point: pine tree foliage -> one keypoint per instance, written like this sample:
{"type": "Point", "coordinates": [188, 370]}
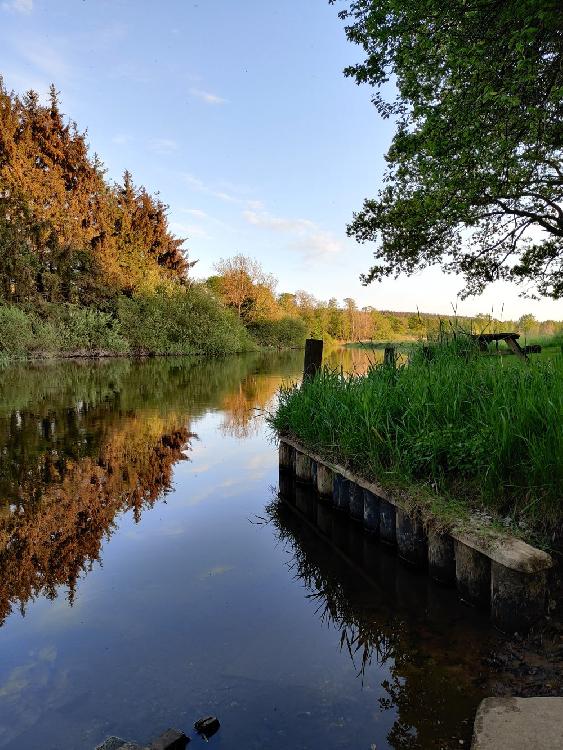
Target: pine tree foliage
{"type": "Point", "coordinates": [66, 234]}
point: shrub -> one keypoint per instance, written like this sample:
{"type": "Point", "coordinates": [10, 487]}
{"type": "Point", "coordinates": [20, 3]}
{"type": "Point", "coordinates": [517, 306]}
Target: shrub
{"type": "Point", "coordinates": [181, 321]}
{"type": "Point", "coordinates": [85, 330]}
{"type": "Point", "coordinates": [281, 334]}
{"type": "Point", "coordinates": [16, 331]}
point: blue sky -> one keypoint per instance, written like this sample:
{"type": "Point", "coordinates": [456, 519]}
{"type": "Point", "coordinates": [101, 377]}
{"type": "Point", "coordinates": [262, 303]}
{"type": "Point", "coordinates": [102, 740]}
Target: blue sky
{"type": "Point", "coordinates": [237, 112]}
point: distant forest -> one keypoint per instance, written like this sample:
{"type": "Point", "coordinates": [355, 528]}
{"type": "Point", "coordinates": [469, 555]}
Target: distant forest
{"type": "Point", "coordinates": [89, 266]}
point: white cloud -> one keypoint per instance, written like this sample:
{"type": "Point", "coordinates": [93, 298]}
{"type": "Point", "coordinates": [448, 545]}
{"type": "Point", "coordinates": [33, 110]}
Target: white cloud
{"type": "Point", "coordinates": [197, 212]}
{"type": "Point", "coordinates": [163, 146]}
{"type": "Point", "coordinates": [263, 219]}
{"type": "Point", "coordinates": [196, 184]}
{"type": "Point", "coordinates": [19, 6]}
{"type": "Point", "coordinates": [310, 240]}
{"type": "Point", "coordinates": [43, 57]}
{"type": "Point", "coordinates": [189, 230]}
{"type": "Point", "coordinates": [319, 244]}
{"type": "Point", "coordinates": [255, 205]}
{"type": "Point", "coordinates": [207, 96]}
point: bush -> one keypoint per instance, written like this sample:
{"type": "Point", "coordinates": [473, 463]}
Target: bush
{"type": "Point", "coordinates": [86, 330]}
{"type": "Point", "coordinates": [181, 321]}
{"type": "Point", "coordinates": [286, 333]}
{"type": "Point", "coordinates": [16, 331]}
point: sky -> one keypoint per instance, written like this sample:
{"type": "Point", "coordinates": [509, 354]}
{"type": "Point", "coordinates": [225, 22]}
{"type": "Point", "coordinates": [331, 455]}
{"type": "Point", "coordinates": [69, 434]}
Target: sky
{"type": "Point", "coordinates": [237, 112]}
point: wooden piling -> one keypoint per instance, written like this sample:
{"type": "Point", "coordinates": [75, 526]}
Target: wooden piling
{"type": "Point", "coordinates": [412, 542]}
{"type": "Point", "coordinates": [303, 469]}
{"type": "Point", "coordinates": [441, 557]}
{"type": "Point", "coordinates": [517, 598]}
{"type": "Point", "coordinates": [324, 481]}
{"type": "Point", "coordinates": [356, 501]}
{"type": "Point", "coordinates": [371, 512]}
{"type": "Point", "coordinates": [473, 575]}
{"type": "Point", "coordinates": [389, 358]}
{"type": "Point", "coordinates": [313, 357]}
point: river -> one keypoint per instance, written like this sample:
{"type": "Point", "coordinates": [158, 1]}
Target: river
{"type": "Point", "coordinates": [149, 576]}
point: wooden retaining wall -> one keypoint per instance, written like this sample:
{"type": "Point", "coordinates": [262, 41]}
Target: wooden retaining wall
{"type": "Point", "coordinates": [497, 572]}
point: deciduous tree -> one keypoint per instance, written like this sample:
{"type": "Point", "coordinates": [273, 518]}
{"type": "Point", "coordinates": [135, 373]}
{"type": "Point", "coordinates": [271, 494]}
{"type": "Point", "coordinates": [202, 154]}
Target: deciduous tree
{"type": "Point", "coordinates": [474, 179]}
{"type": "Point", "coordinates": [245, 286]}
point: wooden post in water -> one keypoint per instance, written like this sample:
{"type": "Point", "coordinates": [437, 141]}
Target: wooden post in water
{"type": "Point", "coordinates": [313, 357]}
{"type": "Point", "coordinates": [389, 356]}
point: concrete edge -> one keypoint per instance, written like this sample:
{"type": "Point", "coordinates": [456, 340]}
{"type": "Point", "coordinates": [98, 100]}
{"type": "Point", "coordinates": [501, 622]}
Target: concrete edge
{"type": "Point", "coordinates": [504, 549]}
{"type": "Point", "coordinates": [518, 724]}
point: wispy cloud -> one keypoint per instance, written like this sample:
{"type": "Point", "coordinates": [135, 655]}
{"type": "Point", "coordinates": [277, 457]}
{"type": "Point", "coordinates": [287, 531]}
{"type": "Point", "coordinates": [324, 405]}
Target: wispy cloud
{"type": "Point", "coordinates": [311, 240]}
{"type": "Point", "coordinates": [163, 146]}
{"type": "Point", "coordinates": [196, 184]}
{"type": "Point", "coordinates": [43, 57]}
{"type": "Point", "coordinates": [197, 212]}
{"type": "Point", "coordinates": [18, 6]}
{"type": "Point", "coordinates": [278, 224]}
{"type": "Point", "coordinates": [189, 230]}
{"type": "Point", "coordinates": [207, 96]}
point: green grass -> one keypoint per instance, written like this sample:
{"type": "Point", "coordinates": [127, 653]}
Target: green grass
{"type": "Point", "coordinates": [478, 431]}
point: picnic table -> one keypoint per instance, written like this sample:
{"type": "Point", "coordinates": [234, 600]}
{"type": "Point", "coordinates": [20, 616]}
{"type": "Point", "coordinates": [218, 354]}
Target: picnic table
{"type": "Point", "coordinates": [511, 339]}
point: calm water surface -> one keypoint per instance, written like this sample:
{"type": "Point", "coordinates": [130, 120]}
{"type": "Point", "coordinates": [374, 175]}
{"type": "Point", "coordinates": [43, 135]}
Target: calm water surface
{"type": "Point", "coordinates": [150, 575]}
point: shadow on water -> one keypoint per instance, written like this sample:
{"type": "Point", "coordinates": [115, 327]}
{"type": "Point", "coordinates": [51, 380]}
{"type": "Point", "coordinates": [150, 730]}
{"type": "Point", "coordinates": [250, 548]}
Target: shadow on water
{"type": "Point", "coordinates": [389, 615]}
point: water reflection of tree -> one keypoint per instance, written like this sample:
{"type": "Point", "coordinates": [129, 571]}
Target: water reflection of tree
{"type": "Point", "coordinates": [77, 449]}
{"type": "Point", "coordinates": [334, 607]}
{"type": "Point", "coordinates": [82, 442]}
{"type": "Point", "coordinates": [244, 406]}
{"type": "Point", "coordinates": [52, 532]}
{"type": "Point", "coordinates": [432, 689]}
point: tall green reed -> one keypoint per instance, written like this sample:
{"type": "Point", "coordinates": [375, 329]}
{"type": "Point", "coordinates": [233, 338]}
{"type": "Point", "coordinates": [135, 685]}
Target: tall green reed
{"type": "Point", "coordinates": [486, 430]}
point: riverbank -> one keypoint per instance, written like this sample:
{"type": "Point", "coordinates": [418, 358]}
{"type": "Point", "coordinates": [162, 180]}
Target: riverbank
{"type": "Point", "coordinates": [464, 434]}
{"type": "Point", "coordinates": [179, 321]}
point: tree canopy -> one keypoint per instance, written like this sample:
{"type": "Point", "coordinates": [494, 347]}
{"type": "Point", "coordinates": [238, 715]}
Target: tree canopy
{"type": "Point", "coordinates": [243, 285]}
{"type": "Point", "coordinates": [66, 235]}
{"type": "Point", "coordinates": [474, 180]}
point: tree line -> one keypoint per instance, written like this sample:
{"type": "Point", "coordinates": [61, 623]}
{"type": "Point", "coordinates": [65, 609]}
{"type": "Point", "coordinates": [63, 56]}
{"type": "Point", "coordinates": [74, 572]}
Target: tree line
{"type": "Point", "coordinates": [90, 266]}
{"type": "Point", "coordinates": [241, 284]}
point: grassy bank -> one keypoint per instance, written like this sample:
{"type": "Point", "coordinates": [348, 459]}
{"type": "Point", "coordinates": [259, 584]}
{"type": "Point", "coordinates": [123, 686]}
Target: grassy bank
{"type": "Point", "coordinates": [480, 431]}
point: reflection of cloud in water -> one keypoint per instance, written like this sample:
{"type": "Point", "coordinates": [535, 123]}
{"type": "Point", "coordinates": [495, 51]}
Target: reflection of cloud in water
{"type": "Point", "coordinates": [21, 676]}
{"type": "Point", "coordinates": [176, 530]}
{"type": "Point", "coordinates": [218, 570]}
{"type": "Point", "coordinates": [201, 468]}
{"type": "Point", "coordinates": [259, 464]}
{"type": "Point", "coordinates": [20, 689]}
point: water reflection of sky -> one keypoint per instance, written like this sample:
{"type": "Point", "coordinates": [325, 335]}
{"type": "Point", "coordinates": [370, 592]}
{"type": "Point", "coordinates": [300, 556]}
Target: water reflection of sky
{"type": "Point", "coordinates": [192, 609]}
